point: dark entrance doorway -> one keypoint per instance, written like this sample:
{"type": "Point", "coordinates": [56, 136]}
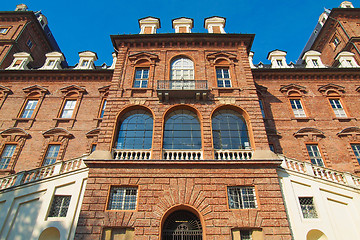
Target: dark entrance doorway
{"type": "Point", "coordinates": [182, 225]}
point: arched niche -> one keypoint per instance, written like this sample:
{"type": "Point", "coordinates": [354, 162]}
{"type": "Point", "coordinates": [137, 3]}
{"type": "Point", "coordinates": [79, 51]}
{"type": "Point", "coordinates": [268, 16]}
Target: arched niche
{"type": "Point", "coordinates": [51, 233]}
{"type": "Point", "coordinates": [315, 234]}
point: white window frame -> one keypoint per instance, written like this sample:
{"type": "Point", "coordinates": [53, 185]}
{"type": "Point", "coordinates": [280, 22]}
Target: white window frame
{"type": "Point", "coordinates": [29, 108]}
{"type": "Point", "coordinates": [68, 108]}
{"type": "Point", "coordinates": [225, 82]}
{"type": "Point", "coordinates": [143, 81]}
{"type": "Point", "coordinates": [337, 107]}
{"type": "Point", "coordinates": [297, 108]}
{"type": "Point", "coordinates": [242, 197]}
{"type": "Point", "coordinates": [182, 69]}
{"type": "Point", "coordinates": [127, 198]}
{"type": "Point", "coordinates": [308, 210]}
{"type": "Point", "coordinates": [315, 154]}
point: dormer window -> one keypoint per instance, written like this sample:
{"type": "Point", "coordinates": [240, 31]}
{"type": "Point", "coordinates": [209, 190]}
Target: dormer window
{"type": "Point", "coordinates": [277, 59]}
{"type": "Point", "coordinates": [349, 63]}
{"type": "Point", "coordinates": [312, 59]}
{"type": "Point", "coordinates": [53, 60]}
{"type": "Point", "coordinates": [84, 63]}
{"type": "Point", "coordinates": [279, 63]}
{"type": "Point", "coordinates": [315, 62]}
{"type": "Point", "coordinates": [87, 60]}
{"type": "Point", "coordinates": [17, 63]}
{"type": "Point", "coordinates": [51, 63]}
{"type": "Point", "coordinates": [346, 60]}
{"type": "Point", "coordinates": [20, 61]}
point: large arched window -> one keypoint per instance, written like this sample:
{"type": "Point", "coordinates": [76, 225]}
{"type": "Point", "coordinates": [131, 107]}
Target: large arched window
{"type": "Point", "coordinates": [182, 69]}
{"type": "Point", "coordinates": [182, 131]}
{"type": "Point", "coordinates": [229, 130]}
{"type": "Point", "coordinates": [135, 131]}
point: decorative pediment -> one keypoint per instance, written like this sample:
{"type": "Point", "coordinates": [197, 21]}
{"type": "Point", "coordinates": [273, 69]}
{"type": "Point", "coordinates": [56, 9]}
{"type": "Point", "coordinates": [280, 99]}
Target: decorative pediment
{"type": "Point", "coordinates": [311, 134]}
{"type": "Point", "coordinates": [93, 132]}
{"type": "Point", "coordinates": [73, 88]}
{"type": "Point", "coordinates": [58, 132]}
{"type": "Point", "coordinates": [14, 132]}
{"type": "Point", "coordinates": [221, 55]}
{"type": "Point", "coordinates": [5, 90]}
{"type": "Point", "coordinates": [353, 132]}
{"type": "Point", "coordinates": [104, 89]}
{"type": "Point", "coordinates": [36, 88]}
{"type": "Point", "coordinates": [357, 89]}
{"type": "Point", "coordinates": [136, 57]}
{"type": "Point", "coordinates": [331, 89]}
{"type": "Point", "coordinates": [293, 89]}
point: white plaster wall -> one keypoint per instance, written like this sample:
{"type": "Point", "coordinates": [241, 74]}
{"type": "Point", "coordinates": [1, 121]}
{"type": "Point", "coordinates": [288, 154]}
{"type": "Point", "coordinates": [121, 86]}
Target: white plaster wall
{"type": "Point", "coordinates": [24, 209]}
{"type": "Point", "coordinates": [338, 206]}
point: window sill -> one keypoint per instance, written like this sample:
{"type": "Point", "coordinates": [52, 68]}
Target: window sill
{"type": "Point", "coordinates": [23, 119]}
{"type": "Point", "coordinates": [64, 119]}
{"type": "Point", "coordinates": [344, 119]}
{"type": "Point", "coordinates": [6, 170]}
{"type": "Point", "coordinates": [226, 88]}
{"type": "Point", "coordinates": [303, 119]}
{"type": "Point", "coordinates": [138, 88]}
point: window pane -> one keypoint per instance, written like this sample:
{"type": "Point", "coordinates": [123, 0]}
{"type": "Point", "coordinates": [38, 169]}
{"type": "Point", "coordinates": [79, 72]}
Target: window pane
{"type": "Point", "coordinates": [315, 155]}
{"type": "Point", "coordinates": [103, 109]}
{"type": "Point", "coordinates": [337, 107]}
{"type": "Point", "coordinates": [356, 149]}
{"type": "Point", "coordinates": [29, 108]}
{"type": "Point", "coordinates": [6, 155]}
{"type": "Point", "coordinates": [307, 207]}
{"type": "Point", "coordinates": [68, 109]}
{"type": "Point", "coordinates": [229, 130]}
{"type": "Point", "coordinates": [182, 68]}
{"type": "Point", "coordinates": [59, 206]}
{"type": "Point", "coordinates": [51, 154]}
{"type": "Point", "coordinates": [122, 198]}
{"type": "Point", "coordinates": [242, 197]}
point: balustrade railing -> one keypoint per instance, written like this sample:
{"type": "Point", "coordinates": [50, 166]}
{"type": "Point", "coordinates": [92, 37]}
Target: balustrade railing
{"type": "Point", "coordinates": [120, 154]}
{"type": "Point", "coordinates": [182, 155]}
{"type": "Point", "coordinates": [182, 85]}
{"type": "Point", "coordinates": [320, 172]}
{"type": "Point", "coordinates": [48, 171]}
{"type": "Point", "coordinates": [245, 154]}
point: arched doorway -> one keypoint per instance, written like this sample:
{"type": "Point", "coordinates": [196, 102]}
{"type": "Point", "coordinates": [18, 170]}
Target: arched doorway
{"type": "Point", "coordinates": [182, 225]}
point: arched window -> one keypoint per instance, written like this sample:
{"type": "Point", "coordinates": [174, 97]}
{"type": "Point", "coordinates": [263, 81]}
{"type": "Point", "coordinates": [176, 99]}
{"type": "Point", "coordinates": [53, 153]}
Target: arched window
{"type": "Point", "coordinates": [182, 225]}
{"type": "Point", "coordinates": [135, 130]}
{"type": "Point", "coordinates": [182, 131]}
{"type": "Point", "coordinates": [182, 69]}
{"type": "Point", "coordinates": [229, 130]}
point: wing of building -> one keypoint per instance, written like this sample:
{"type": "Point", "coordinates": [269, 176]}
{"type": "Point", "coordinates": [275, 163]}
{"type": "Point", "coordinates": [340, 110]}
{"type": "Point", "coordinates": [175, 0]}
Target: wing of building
{"type": "Point", "coordinates": [182, 137]}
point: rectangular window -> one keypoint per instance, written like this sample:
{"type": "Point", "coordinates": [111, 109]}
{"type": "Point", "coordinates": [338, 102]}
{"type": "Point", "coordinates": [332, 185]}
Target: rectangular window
{"type": "Point", "coordinates": [314, 154]}
{"type": "Point", "coordinates": [103, 108]}
{"type": "Point", "coordinates": [29, 43]}
{"type": "Point", "coordinates": [279, 63]}
{"type": "Point", "coordinates": [118, 234]}
{"type": "Point", "coordinates": [356, 149]}
{"type": "Point", "coordinates": [122, 198]}
{"type": "Point", "coordinates": [262, 108]}
{"type": "Point", "coordinates": [6, 155]}
{"type": "Point", "coordinates": [59, 206]}
{"type": "Point", "coordinates": [336, 42]}
{"type": "Point", "coordinates": [51, 154]}
{"type": "Point", "coordinates": [307, 207]}
{"type": "Point", "coordinates": [245, 235]}
{"type": "Point", "coordinates": [68, 109]}
{"type": "Point", "coordinates": [241, 197]}
{"type": "Point", "coordinates": [29, 108]}
{"type": "Point", "coordinates": [3, 30]}
{"type": "Point", "coordinates": [223, 77]}
{"type": "Point", "coordinates": [141, 78]}
{"type": "Point", "coordinates": [337, 107]}
{"type": "Point", "coordinates": [17, 63]}
{"type": "Point", "coordinates": [297, 108]}
{"type": "Point", "coordinates": [93, 147]}
{"type": "Point", "coordinates": [315, 62]}
{"type": "Point", "coordinates": [84, 63]}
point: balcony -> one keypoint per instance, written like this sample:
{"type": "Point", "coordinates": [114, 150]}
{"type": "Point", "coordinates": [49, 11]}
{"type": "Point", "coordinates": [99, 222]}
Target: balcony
{"type": "Point", "coordinates": [195, 89]}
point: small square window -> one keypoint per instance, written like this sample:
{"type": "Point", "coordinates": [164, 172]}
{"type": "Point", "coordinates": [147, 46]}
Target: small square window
{"type": "Point", "coordinates": [307, 207]}
{"type": "Point", "coordinates": [68, 109]}
{"type": "Point", "coordinates": [241, 197]}
{"type": "Point", "coordinates": [314, 154]}
{"type": "Point", "coordinates": [29, 43]}
{"type": "Point", "coordinates": [223, 77]}
{"type": "Point", "coordinates": [51, 154]}
{"type": "Point", "coordinates": [59, 206]}
{"type": "Point", "coordinates": [338, 108]}
{"type": "Point", "coordinates": [297, 108]}
{"type": "Point", "coordinates": [122, 198]}
{"type": "Point", "coordinates": [356, 149]}
{"type": "Point", "coordinates": [29, 108]}
{"type": "Point", "coordinates": [6, 155]}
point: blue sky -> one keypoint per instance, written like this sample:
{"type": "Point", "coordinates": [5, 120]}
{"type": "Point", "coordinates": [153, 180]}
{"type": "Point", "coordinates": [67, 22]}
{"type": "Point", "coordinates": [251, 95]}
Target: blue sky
{"type": "Point", "coordinates": [87, 25]}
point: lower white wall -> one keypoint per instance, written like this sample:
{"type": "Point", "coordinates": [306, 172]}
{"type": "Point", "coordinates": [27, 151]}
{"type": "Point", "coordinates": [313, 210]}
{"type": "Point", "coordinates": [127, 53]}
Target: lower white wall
{"type": "Point", "coordinates": [337, 205]}
{"type": "Point", "coordinates": [24, 209]}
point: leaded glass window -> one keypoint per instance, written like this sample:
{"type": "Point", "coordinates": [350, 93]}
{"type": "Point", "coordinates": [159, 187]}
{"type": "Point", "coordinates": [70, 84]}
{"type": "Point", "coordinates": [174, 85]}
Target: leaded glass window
{"type": "Point", "coordinates": [122, 198]}
{"type": "Point", "coordinates": [135, 131]}
{"type": "Point", "coordinates": [182, 69]}
{"type": "Point", "coordinates": [59, 206]}
{"type": "Point", "coordinates": [307, 207]}
{"type": "Point", "coordinates": [229, 130]}
{"type": "Point", "coordinates": [182, 131]}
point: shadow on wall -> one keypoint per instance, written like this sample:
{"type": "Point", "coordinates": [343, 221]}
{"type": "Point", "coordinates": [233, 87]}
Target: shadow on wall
{"type": "Point", "coordinates": [50, 233]}
{"type": "Point", "coordinates": [316, 235]}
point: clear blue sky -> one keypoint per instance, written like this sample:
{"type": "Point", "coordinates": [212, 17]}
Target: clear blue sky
{"type": "Point", "coordinates": [87, 25]}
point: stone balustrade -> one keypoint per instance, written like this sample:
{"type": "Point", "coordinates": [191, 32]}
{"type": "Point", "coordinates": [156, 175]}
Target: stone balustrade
{"type": "Point", "coordinates": [233, 154]}
{"type": "Point", "coordinates": [120, 154]}
{"type": "Point", "coordinates": [182, 155]}
{"type": "Point", "coordinates": [45, 172]}
{"type": "Point", "coordinates": [320, 172]}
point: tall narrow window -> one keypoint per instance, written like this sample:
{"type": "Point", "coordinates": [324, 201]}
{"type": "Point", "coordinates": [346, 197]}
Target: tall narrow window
{"type": "Point", "coordinates": [29, 108]}
{"type": "Point", "coordinates": [182, 69]}
{"type": "Point", "coordinates": [314, 154]}
{"type": "Point", "coordinates": [68, 109]}
{"type": "Point", "coordinates": [103, 106]}
{"type": "Point", "coordinates": [356, 149]}
{"type": "Point", "coordinates": [297, 108]}
{"type": "Point", "coordinates": [229, 130]}
{"type": "Point", "coordinates": [262, 108]}
{"type": "Point", "coordinates": [223, 77]}
{"type": "Point", "coordinates": [337, 107]}
{"type": "Point", "coordinates": [135, 131]}
{"type": "Point", "coordinates": [307, 207]}
{"type": "Point", "coordinates": [51, 154]}
{"type": "Point", "coordinates": [141, 77]}
{"type": "Point", "coordinates": [122, 198]}
{"type": "Point", "coordinates": [182, 131]}
{"type": "Point", "coordinates": [6, 155]}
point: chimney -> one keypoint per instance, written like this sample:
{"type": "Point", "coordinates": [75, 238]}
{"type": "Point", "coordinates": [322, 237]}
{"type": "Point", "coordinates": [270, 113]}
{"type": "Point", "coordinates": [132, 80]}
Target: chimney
{"type": "Point", "coordinates": [149, 25]}
{"type": "Point", "coordinates": [215, 24]}
{"type": "Point", "coordinates": [183, 25]}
